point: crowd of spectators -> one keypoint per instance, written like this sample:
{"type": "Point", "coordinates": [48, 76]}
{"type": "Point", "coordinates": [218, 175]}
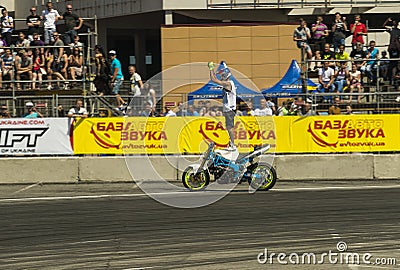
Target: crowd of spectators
{"type": "Point", "coordinates": [41, 57]}
{"type": "Point", "coordinates": [340, 71]}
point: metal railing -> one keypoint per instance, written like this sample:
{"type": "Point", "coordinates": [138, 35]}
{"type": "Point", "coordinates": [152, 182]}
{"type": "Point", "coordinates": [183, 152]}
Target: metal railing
{"type": "Point", "coordinates": [231, 4]}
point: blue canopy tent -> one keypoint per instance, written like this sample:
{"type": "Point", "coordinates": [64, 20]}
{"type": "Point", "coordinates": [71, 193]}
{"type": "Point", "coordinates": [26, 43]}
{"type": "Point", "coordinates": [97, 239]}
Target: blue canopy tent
{"type": "Point", "coordinates": [212, 90]}
{"type": "Point", "coordinates": [290, 84]}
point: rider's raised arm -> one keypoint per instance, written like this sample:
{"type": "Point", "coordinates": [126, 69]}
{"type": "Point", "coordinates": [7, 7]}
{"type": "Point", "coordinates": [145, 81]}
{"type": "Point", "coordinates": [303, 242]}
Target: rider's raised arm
{"type": "Point", "coordinates": [226, 84]}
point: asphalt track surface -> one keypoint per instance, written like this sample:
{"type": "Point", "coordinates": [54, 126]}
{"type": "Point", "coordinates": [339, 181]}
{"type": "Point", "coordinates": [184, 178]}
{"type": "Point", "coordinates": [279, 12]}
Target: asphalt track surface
{"type": "Point", "coordinates": [116, 226]}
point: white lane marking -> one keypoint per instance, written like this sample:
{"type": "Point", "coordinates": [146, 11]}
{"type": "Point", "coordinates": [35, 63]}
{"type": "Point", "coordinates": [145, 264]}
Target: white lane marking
{"type": "Point", "coordinates": [28, 187]}
{"type": "Point", "coordinates": [333, 188]}
{"type": "Point", "coordinates": [209, 192]}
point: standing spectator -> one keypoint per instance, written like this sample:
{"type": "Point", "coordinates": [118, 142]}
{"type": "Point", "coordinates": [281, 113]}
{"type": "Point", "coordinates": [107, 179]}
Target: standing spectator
{"type": "Point", "coordinates": [359, 30]}
{"type": "Point", "coordinates": [78, 110]}
{"type": "Point", "coordinates": [341, 77]}
{"type": "Point", "coordinates": [326, 78]}
{"type": "Point", "coordinates": [102, 79]}
{"type": "Point", "coordinates": [319, 34]}
{"type": "Point", "coordinates": [56, 63]}
{"type": "Point", "coordinates": [136, 81]}
{"type": "Point", "coordinates": [300, 36]}
{"type": "Point", "coordinates": [384, 65]}
{"type": "Point", "coordinates": [306, 110]}
{"type": "Point", "coordinates": [149, 95]}
{"type": "Point", "coordinates": [116, 77]}
{"type": "Point", "coordinates": [370, 68]}
{"type": "Point", "coordinates": [355, 82]}
{"type": "Point", "coordinates": [394, 42]}
{"type": "Point", "coordinates": [358, 56]}
{"type": "Point", "coordinates": [264, 109]}
{"type": "Point", "coordinates": [339, 29]}
{"type": "Point", "coordinates": [22, 41]}
{"type": "Point", "coordinates": [7, 26]}
{"type": "Point", "coordinates": [335, 108]}
{"type": "Point", "coordinates": [33, 22]}
{"type": "Point", "coordinates": [72, 23]}
{"type": "Point", "coordinates": [23, 66]}
{"type": "Point", "coordinates": [50, 16]}
{"type": "Point", "coordinates": [32, 111]}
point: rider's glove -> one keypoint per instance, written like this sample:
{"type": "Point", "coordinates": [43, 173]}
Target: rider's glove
{"type": "Point", "coordinates": [211, 65]}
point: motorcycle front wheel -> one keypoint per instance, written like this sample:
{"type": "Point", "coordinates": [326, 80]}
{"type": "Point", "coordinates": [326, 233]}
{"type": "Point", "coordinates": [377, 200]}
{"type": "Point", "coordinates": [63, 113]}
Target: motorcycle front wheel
{"type": "Point", "coordinates": [195, 181]}
{"type": "Point", "coordinates": [263, 176]}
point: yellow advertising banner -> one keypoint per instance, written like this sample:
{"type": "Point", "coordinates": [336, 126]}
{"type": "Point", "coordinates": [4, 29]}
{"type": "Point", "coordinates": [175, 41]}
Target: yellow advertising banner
{"type": "Point", "coordinates": [287, 134]}
{"type": "Point", "coordinates": [340, 133]}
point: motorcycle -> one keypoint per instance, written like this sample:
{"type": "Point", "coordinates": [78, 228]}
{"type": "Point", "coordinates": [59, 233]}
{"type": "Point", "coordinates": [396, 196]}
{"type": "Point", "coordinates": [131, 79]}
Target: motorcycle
{"type": "Point", "coordinates": [228, 167]}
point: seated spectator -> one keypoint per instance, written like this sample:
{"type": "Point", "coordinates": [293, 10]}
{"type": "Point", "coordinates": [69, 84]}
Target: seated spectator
{"type": "Point", "coordinates": [327, 54]}
{"type": "Point", "coordinates": [349, 109]}
{"type": "Point", "coordinates": [264, 109]}
{"type": "Point", "coordinates": [288, 108]}
{"type": "Point", "coordinates": [78, 110]}
{"type": "Point", "coordinates": [335, 108]}
{"type": "Point", "coordinates": [248, 108]}
{"type": "Point", "coordinates": [370, 68]}
{"type": "Point", "coordinates": [39, 68]}
{"type": "Point", "coordinates": [36, 42]}
{"type": "Point", "coordinates": [341, 55]}
{"type": "Point", "coordinates": [2, 43]}
{"type": "Point", "coordinates": [57, 69]}
{"type": "Point", "coordinates": [75, 64]}
{"type": "Point", "coordinates": [306, 110]}
{"type": "Point", "coordinates": [355, 82]}
{"type": "Point", "coordinates": [32, 111]}
{"type": "Point", "coordinates": [301, 36]}
{"type": "Point", "coordinates": [169, 112]}
{"type": "Point", "coordinates": [384, 65]}
{"type": "Point", "coordinates": [358, 56]}
{"type": "Point", "coordinates": [191, 111]}
{"type": "Point", "coordinates": [148, 110]}
{"type": "Point", "coordinates": [341, 77]}
{"type": "Point", "coordinates": [23, 67]}
{"type": "Point", "coordinates": [326, 78]}
{"type": "Point", "coordinates": [7, 67]}
{"type": "Point", "coordinates": [22, 41]}
{"type": "Point", "coordinates": [4, 113]}
{"type": "Point", "coordinates": [270, 104]}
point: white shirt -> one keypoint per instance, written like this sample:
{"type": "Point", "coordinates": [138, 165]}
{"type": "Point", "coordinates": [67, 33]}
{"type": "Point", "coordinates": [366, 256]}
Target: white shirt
{"type": "Point", "coordinates": [81, 111]}
{"type": "Point", "coordinates": [6, 25]}
{"type": "Point", "coordinates": [170, 113]}
{"type": "Point", "coordinates": [326, 74]}
{"type": "Point", "coordinates": [135, 87]}
{"type": "Point", "coordinates": [229, 98]}
{"type": "Point", "coordinates": [263, 112]}
{"type": "Point", "coordinates": [49, 18]}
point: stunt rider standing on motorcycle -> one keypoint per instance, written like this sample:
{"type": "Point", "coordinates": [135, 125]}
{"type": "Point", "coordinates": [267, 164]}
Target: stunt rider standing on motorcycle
{"type": "Point", "coordinates": [229, 98]}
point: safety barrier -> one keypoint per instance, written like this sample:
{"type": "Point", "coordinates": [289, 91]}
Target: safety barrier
{"type": "Point", "coordinates": [112, 169]}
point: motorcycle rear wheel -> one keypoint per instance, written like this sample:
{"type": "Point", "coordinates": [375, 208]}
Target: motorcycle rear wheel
{"type": "Point", "coordinates": [195, 181]}
{"type": "Point", "coordinates": [263, 176]}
